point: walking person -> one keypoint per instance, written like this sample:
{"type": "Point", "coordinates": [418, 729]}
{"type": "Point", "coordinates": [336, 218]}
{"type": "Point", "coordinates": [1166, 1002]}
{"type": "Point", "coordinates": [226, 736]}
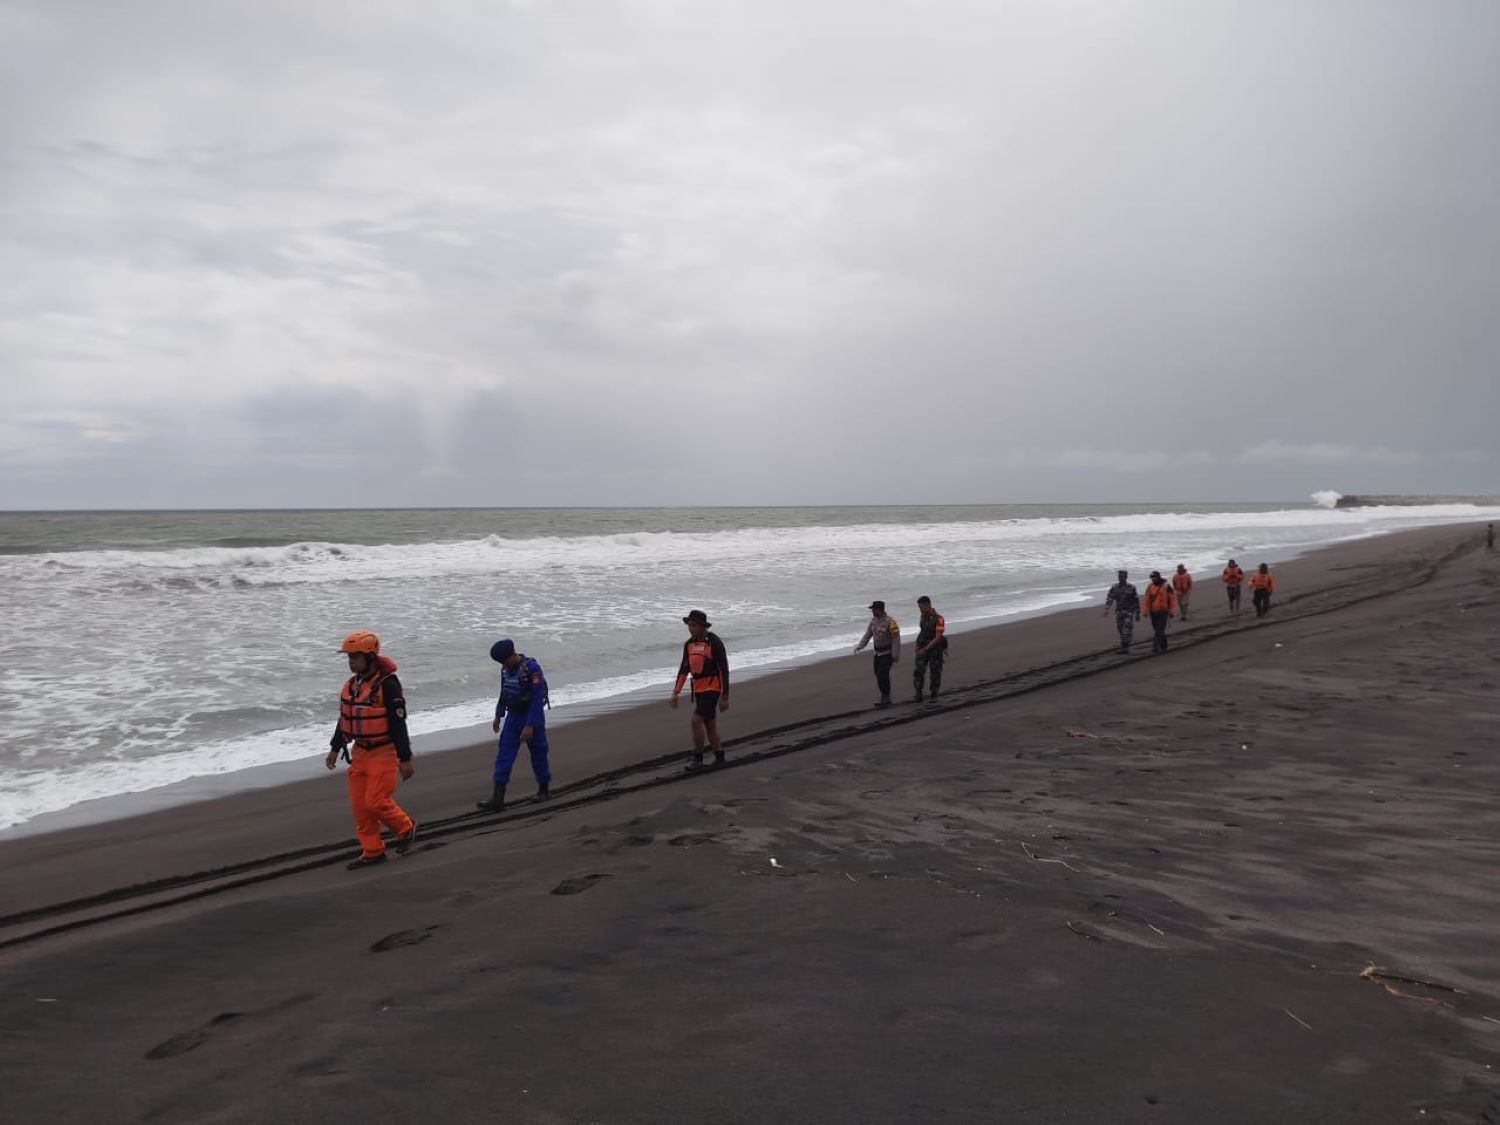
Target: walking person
{"type": "Point", "coordinates": [1489, 536]}
{"type": "Point", "coordinates": [1160, 603]}
{"type": "Point", "coordinates": [1262, 586]}
{"type": "Point", "coordinates": [1233, 578]}
{"type": "Point", "coordinates": [932, 646]}
{"type": "Point", "coordinates": [1182, 586]}
{"type": "Point", "coordinates": [706, 661]}
{"type": "Point", "coordinates": [372, 716]}
{"type": "Point", "coordinates": [1127, 606]}
{"type": "Point", "coordinates": [886, 634]}
{"type": "Point", "coordinates": [520, 716]}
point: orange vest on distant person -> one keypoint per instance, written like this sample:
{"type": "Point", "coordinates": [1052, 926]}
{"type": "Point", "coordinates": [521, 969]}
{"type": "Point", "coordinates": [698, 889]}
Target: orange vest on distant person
{"type": "Point", "coordinates": [362, 714]}
{"type": "Point", "coordinates": [1259, 581]}
{"type": "Point", "coordinates": [1182, 583]}
{"type": "Point", "coordinates": [703, 667]}
{"type": "Point", "coordinates": [1159, 599]}
{"type": "Point", "coordinates": [1233, 576]}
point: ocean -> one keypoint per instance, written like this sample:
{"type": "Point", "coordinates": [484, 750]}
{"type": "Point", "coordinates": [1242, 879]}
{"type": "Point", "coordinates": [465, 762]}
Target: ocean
{"type": "Point", "coordinates": [144, 649]}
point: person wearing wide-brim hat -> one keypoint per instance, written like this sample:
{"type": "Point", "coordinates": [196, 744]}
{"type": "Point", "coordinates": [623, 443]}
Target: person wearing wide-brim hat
{"type": "Point", "coordinates": [704, 659]}
{"type": "Point", "coordinates": [886, 634]}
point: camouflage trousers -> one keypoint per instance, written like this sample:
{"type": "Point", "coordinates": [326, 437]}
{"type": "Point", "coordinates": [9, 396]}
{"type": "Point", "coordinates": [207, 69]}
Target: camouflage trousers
{"type": "Point", "coordinates": [930, 660]}
{"type": "Point", "coordinates": [1125, 622]}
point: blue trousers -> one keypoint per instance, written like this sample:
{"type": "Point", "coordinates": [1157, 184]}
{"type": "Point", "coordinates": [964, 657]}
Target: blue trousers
{"type": "Point", "coordinates": [510, 747]}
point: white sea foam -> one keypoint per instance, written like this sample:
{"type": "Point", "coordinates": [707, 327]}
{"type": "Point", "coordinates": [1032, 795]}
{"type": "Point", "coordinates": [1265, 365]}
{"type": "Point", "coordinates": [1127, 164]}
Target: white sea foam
{"type": "Point", "coordinates": [1327, 498]}
{"type": "Point", "coordinates": [217, 568]}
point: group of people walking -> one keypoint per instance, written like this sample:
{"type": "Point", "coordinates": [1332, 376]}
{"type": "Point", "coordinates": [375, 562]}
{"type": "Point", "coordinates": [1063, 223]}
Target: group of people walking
{"type": "Point", "coordinates": [372, 736]}
{"type": "Point", "coordinates": [1163, 600]}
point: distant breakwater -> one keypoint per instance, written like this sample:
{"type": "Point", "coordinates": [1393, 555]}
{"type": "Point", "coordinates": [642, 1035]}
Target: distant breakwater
{"type": "Point", "coordinates": [1405, 501]}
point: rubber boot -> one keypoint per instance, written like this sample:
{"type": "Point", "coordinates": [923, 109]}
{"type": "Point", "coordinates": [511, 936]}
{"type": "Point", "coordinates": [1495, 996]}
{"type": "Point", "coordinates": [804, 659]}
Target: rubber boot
{"type": "Point", "coordinates": [496, 802]}
{"type": "Point", "coordinates": [719, 759]}
{"type": "Point", "coordinates": [544, 791]}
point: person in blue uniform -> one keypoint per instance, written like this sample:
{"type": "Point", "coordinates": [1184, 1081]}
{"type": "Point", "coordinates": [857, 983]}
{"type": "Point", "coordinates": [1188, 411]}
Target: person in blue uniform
{"type": "Point", "coordinates": [519, 717]}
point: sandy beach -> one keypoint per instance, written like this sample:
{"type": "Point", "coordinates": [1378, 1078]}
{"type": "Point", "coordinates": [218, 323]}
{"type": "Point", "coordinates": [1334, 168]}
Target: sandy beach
{"type": "Point", "coordinates": [1251, 880]}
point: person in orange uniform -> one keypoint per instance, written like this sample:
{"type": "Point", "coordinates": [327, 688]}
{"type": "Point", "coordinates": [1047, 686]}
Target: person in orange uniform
{"type": "Point", "coordinates": [1160, 603]}
{"type": "Point", "coordinates": [1233, 578]}
{"type": "Point", "coordinates": [1182, 586]}
{"type": "Point", "coordinates": [1262, 586]}
{"type": "Point", "coordinates": [704, 658]}
{"type": "Point", "coordinates": [372, 716]}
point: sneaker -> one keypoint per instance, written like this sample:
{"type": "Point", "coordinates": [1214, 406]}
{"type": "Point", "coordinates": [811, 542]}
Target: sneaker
{"type": "Point", "coordinates": [362, 862]}
{"type": "Point", "coordinates": [405, 841]}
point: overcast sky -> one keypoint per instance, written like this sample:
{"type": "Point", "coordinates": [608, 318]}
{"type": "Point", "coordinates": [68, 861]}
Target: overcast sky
{"type": "Point", "coordinates": [815, 251]}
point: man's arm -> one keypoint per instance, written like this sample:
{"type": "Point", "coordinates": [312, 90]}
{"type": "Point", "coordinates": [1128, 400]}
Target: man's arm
{"type": "Point", "coordinates": [682, 672]}
{"type": "Point", "coordinates": [538, 694]}
{"type": "Point", "coordinates": [869, 632]}
{"type": "Point", "coordinates": [395, 712]}
{"type": "Point", "coordinates": [937, 636]}
{"type": "Point", "coordinates": [895, 642]}
{"type": "Point", "coordinates": [721, 658]}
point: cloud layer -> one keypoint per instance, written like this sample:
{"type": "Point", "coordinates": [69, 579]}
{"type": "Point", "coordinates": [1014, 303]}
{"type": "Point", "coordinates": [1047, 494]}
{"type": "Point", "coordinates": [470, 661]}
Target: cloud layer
{"type": "Point", "coordinates": [662, 252]}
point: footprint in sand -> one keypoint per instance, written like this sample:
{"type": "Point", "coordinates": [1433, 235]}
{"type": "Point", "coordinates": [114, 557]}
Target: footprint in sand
{"type": "Point", "coordinates": [578, 885]}
{"type": "Point", "coordinates": [402, 938]}
{"type": "Point", "coordinates": [185, 1041]}
{"type": "Point", "coordinates": [179, 1044]}
{"type": "Point", "coordinates": [692, 839]}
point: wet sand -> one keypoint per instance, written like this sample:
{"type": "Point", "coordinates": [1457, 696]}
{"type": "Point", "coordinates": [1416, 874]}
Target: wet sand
{"type": "Point", "coordinates": [1082, 888]}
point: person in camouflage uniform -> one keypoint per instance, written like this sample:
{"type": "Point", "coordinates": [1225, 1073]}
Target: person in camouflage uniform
{"type": "Point", "coordinates": [1127, 607]}
{"type": "Point", "coordinates": [931, 647]}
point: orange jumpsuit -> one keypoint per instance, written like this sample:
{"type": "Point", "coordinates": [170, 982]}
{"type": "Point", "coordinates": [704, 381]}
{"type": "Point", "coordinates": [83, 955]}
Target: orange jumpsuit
{"type": "Point", "coordinates": [372, 715]}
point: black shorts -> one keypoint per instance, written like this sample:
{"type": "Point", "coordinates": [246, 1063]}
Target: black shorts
{"type": "Point", "coordinates": [706, 705]}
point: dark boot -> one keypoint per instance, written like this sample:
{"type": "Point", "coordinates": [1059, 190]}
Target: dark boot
{"type": "Point", "coordinates": [496, 802]}
{"type": "Point", "coordinates": [361, 863]}
{"type": "Point", "coordinates": [885, 700]}
{"type": "Point", "coordinates": [719, 758]}
{"type": "Point", "coordinates": [544, 791]}
{"type": "Point", "coordinates": [404, 843]}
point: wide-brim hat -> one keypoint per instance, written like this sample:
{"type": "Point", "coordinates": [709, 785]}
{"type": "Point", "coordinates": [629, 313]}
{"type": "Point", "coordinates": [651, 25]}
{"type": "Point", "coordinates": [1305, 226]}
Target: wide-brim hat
{"type": "Point", "coordinates": [699, 616]}
{"type": "Point", "coordinates": [877, 605]}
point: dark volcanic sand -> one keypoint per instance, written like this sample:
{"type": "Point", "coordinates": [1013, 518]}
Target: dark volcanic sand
{"type": "Point", "coordinates": [1144, 891]}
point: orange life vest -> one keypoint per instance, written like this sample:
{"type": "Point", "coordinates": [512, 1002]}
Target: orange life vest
{"type": "Point", "coordinates": [1182, 583]}
{"type": "Point", "coordinates": [1159, 599]}
{"type": "Point", "coordinates": [1233, 576]}
{"type": "Point", "coordinates": [1259, 581]}
{"type": "Point", "coordinates": [703, 667]}
{"type": "Point", "coordinates": [362, 714]}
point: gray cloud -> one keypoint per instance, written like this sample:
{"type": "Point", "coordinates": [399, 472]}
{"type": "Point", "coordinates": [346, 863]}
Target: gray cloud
{"type": "Point", "coordinates": [665, 252]}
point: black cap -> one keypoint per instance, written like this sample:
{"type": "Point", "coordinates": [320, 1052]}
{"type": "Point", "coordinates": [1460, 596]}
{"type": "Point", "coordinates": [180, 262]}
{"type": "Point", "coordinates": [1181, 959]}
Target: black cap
{"type": "Point", "coordinates": [699, 616]}
{"type": "Point", "coordinates": [878, 605]}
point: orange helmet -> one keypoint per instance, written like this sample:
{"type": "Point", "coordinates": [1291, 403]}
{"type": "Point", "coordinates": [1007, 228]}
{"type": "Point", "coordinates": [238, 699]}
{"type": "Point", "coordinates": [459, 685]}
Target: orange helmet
{"type": "Point", "coordinates": [361, 640]}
